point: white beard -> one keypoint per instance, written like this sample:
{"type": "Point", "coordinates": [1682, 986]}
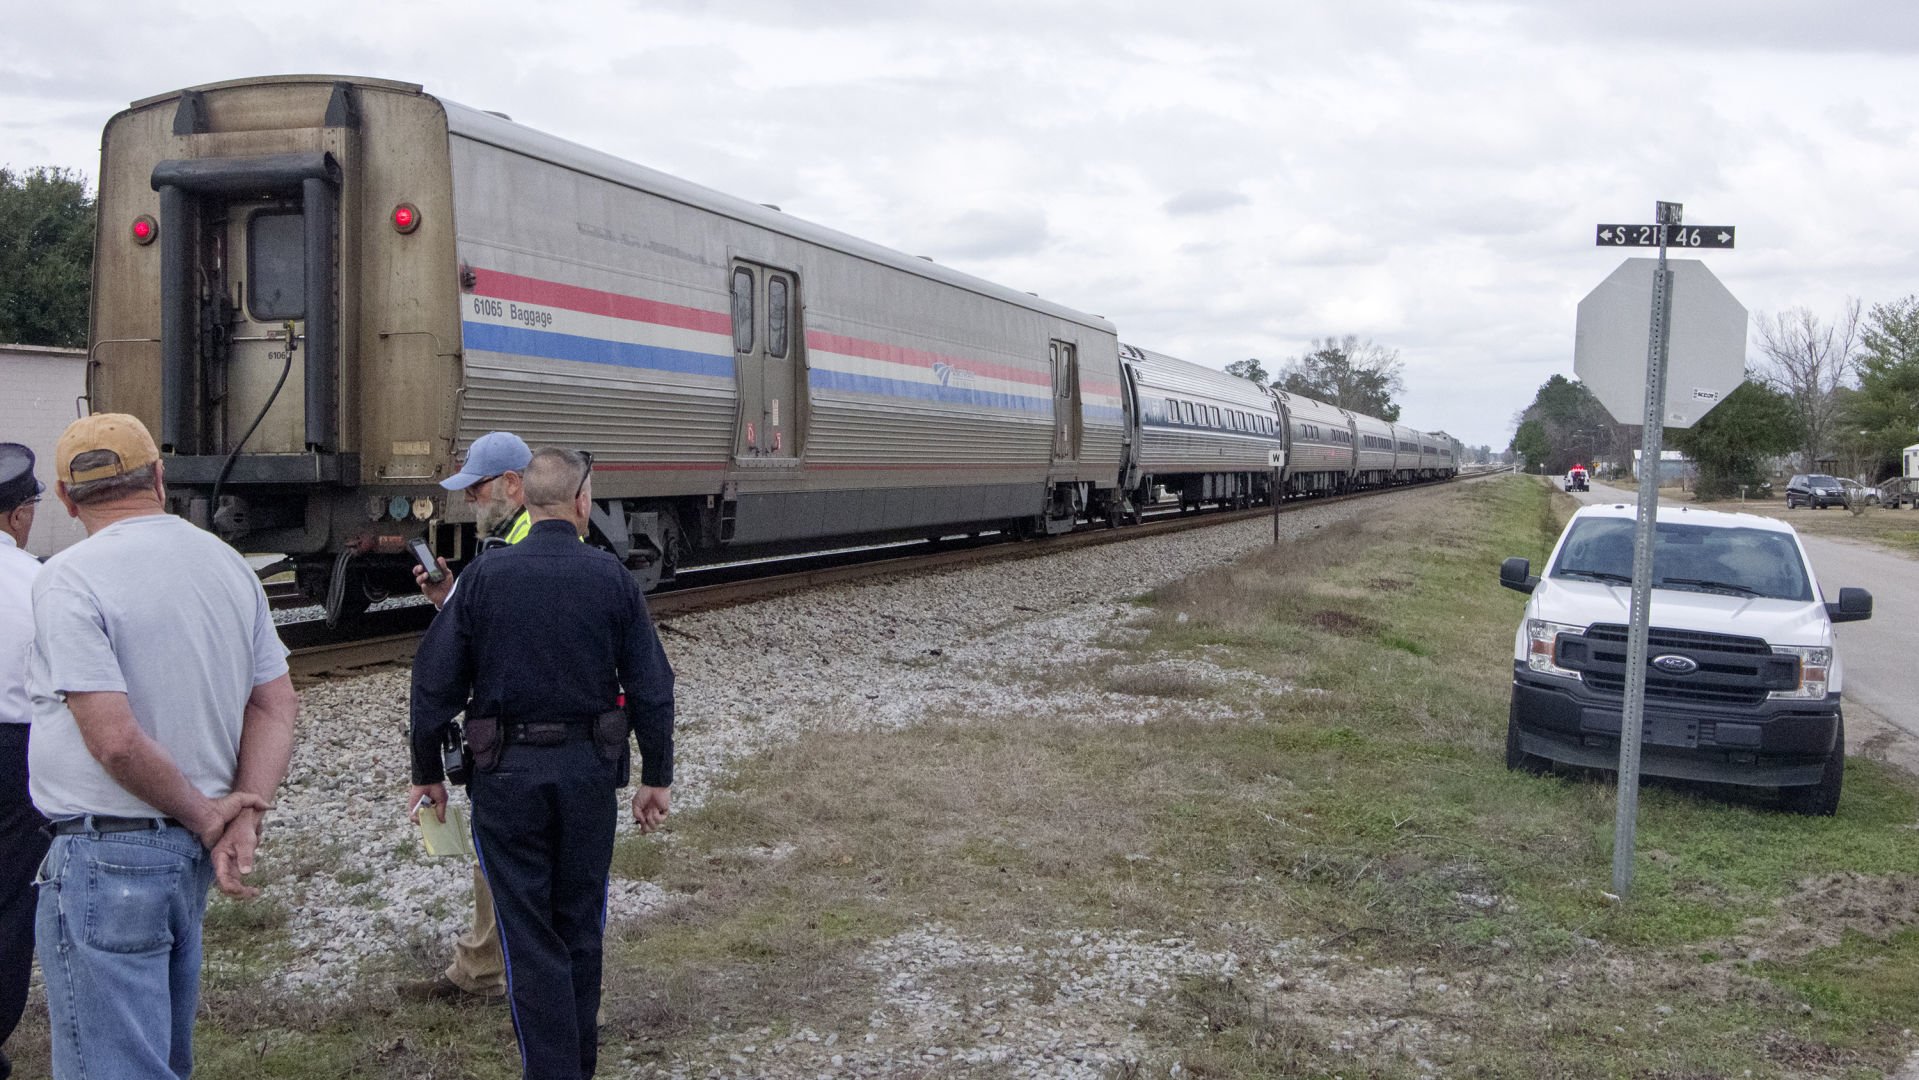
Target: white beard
{"type": "Point", "coordinates": [492, 514]}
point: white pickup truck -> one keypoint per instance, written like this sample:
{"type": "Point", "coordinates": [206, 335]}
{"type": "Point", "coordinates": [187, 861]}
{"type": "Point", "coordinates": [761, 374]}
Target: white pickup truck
{"type": "Point", "coordinates": [1744, 676]}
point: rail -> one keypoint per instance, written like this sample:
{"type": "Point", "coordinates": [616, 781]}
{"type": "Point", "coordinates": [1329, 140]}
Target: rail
{"type": "Point", "coordinates": [394, 635]}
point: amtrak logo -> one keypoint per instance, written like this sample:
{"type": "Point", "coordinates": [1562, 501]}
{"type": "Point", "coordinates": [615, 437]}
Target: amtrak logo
{"type": "Point", "coordinates": [1675, 665]}
{"type": "Point", "coordinates": [948, 375]}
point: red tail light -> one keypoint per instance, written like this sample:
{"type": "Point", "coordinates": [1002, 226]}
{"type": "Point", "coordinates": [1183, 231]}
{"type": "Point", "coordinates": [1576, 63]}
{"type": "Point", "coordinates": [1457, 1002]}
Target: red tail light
{"type": "Point", "coordinates": [406, 218]}
{"type": "Point", "coordinates": [145, 229]}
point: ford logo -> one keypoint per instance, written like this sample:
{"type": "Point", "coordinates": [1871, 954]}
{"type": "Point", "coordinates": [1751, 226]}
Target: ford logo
{"type": "Point", "coordinates": [1676, 665]}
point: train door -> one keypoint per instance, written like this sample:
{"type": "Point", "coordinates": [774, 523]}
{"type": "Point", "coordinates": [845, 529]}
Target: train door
{"type": "Point", "coordinates": [768, 348]}
{"type": "Point", "coordinates": [261, 385]}
{"type": "Point", "coordinates": [250, 302]}
{"type": "Point", "coordinates": [1066, 419]}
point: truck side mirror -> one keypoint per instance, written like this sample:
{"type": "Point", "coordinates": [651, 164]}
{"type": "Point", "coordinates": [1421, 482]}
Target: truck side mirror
{"type": "Point", "coordinates": [1854, 605]}
{"type": "Point", "coordinates": [1516, 574]}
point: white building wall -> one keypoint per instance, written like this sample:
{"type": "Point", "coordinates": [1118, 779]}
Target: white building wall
{"type": "Point", "coordinates": [39, 391]}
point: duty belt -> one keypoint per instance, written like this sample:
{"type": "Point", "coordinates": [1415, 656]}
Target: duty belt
{"type": "Point", "coordinates": [546, 732]}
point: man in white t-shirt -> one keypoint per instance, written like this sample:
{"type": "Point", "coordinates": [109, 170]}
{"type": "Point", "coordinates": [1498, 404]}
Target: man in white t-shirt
{"type": "Point", "coordinates": [22, 844]}
{"type": "Point", "coordinates": [162, 723]}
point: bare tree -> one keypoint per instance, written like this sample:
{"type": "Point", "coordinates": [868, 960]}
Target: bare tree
{"type": "Point", "coordinates": [1349, 373]}
{"type": "Point", "coordinates": [1808, 361]}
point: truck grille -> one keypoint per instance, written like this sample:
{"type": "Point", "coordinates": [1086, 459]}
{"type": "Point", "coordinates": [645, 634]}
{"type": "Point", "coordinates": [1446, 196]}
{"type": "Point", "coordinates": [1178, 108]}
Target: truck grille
{"type": "Point", "coordinates": [1733, 671]}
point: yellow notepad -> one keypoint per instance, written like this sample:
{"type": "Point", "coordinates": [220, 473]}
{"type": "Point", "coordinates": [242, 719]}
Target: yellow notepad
{"type": "Point", "coordinates": [448, 838]}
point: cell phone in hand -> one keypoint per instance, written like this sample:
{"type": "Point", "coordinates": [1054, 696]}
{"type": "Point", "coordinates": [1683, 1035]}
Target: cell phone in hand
{"type": "Point", "coordinates": [424, 555]}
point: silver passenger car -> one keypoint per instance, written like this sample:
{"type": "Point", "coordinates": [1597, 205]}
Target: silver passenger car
{"type": "Point", "coordinates": [1374, 442]}
{"type": "Point", "coordinates": [1203, 435]}
{"type": "Point", "coordinates": [1319, 445]}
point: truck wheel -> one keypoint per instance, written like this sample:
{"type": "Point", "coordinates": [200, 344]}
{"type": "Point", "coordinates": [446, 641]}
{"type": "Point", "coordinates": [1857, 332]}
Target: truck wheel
{"type": "Point", "coordinates": [1517, 759]}
{"type": "Point", "coordinates": [1820, 799]}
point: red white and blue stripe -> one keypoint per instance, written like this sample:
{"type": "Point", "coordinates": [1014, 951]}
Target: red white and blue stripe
{"type": "Point", "coordinates": [523, 316]}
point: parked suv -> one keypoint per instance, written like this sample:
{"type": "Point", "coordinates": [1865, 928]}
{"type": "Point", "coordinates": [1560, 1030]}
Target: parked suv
{"type": "Point", "coordinates": [1743, 680]}
{"type": "Point", "coordinates": [1816, 490]}
{"type": "Point", "coordinates": [1858, 494]}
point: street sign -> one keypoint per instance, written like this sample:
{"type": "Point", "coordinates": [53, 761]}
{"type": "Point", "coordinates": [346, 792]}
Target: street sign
{"type": "Point", "coordinates": [1706, 358]}
{"type": "Point", "coordinates": [1679, 236]}
{"type": "Point", "coordinates": [1695, 343]}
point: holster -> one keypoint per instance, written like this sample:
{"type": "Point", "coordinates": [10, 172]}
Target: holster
{"type": "Point", "coordinates": [609, 739]}
{"type": "Point", "coordinates": [485, 741]}
{"type": "Point", "coordinates": [455, 763]}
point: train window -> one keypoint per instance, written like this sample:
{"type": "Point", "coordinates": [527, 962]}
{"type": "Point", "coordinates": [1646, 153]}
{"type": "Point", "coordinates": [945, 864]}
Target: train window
{"type": "Point", "coordinates": [742, 310]}
{"type": "Point", "coordinates": [277, 265]}
{"type": "Point", "coordinates": [1186, 411]}
{"type": "Point", "coordinates": [1214, 409]}
{"type": "Point", "coordinates": [776, 310]}
{"type": "Point", "coordinates": [1172, 411]}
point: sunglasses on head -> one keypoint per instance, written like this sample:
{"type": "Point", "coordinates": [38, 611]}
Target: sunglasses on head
{"type": "Point", "coordinates": [586, 456]}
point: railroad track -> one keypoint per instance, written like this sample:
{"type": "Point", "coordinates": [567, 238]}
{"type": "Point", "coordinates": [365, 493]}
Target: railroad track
{"type": "Point", "coordinates": [390, 637]}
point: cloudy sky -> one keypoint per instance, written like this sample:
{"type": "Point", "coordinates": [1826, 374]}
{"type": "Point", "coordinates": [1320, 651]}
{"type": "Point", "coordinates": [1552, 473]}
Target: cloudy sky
{"type": "Point", "coordinates": [1223, 179]}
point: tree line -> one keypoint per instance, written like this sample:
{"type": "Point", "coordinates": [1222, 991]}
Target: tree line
{"type": "Point", "coordinates": [1843, 390]}
{"type": "Point", "coordinates": [46, 257]}
{"type": "Point", "coordinates": [1347, 372]}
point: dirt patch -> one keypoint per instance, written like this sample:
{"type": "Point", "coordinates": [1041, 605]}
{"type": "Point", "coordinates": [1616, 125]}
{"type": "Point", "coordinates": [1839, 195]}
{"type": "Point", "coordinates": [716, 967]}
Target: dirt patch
{"type": "Point", "coordinates": [1873, 736]}
{"type": "Point", "coordinates": [1389, 585]}
{"type": "Point", "coordinates": [1346, 624]}
{"type": "Point", "coordinates": [1823, 909]}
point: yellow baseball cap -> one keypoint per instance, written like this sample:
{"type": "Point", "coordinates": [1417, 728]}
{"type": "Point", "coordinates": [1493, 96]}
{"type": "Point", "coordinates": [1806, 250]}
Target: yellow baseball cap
{"type": "Point", "coordinates": [113, 444]}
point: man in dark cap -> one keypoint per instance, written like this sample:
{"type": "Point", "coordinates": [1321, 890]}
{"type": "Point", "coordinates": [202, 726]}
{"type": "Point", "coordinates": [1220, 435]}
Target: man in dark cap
{"type": "Point", "coordinates": [22, 844]}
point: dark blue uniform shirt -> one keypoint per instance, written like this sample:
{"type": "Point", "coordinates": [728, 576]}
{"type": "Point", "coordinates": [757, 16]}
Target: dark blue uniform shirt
{"type": "Point", "coordinates": [548, 629]}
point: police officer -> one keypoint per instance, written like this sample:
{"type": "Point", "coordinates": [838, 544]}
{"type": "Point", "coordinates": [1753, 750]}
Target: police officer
{"type": "Point", "coordinates": [22, 844]}
{"type": "Point", "coordinates": [490, 480]}
{"type": "Point", "coordinates": [537, 648]}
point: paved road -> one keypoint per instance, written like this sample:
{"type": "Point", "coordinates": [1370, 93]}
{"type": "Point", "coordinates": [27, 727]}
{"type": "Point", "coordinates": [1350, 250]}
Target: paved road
{"type": "Point", "coordinates": [1881, 655]}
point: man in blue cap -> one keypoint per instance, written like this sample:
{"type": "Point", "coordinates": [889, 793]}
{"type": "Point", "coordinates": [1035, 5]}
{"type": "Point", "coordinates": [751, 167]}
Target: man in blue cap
{"type": "Point", "coordinates": [490, 478]}
{"type": "Point", "coordinates": [22, 844]}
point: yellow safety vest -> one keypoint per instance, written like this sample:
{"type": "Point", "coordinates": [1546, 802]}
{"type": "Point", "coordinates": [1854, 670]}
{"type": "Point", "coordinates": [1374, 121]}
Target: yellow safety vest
{"type": "Point", "coordinates": [517, 531]}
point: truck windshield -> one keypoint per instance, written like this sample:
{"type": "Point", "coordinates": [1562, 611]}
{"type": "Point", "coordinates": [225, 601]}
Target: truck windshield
{"type": "Point", "coordinates": [1696, 558]}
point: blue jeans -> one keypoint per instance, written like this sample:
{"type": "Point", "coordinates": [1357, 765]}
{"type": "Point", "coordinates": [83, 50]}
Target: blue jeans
{"type": "Point", "coordinates": [118, 932]}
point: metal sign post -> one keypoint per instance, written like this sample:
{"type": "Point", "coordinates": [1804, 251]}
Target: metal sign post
{"type": "Point", "coordinates": [1652, 437]}
{"type": "Point", "coordinates": [1699, 347]}
{"type": "Point", "coordinates": [1275, 504]}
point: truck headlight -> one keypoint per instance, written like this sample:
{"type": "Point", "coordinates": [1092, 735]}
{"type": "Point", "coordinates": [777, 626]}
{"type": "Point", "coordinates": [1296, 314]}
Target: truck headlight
{"type": "Point", "coordinates": [1542, 641]}
{"type": "Point", "coordinates": [1814, 665]}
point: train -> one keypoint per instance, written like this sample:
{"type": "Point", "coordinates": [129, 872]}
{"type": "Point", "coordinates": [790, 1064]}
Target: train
{"type": "Point", "coordinates": [318, 290]}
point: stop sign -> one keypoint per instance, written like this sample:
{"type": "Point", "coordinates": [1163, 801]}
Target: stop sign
{"type": "Point", "coordinates": [1706, 358]}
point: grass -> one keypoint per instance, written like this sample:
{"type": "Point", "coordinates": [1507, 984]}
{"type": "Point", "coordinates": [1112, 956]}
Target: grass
{"type": "Point", "coordinates": [1310, 781]}
{"type": "Point", "coordinates": [1897, 530]}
